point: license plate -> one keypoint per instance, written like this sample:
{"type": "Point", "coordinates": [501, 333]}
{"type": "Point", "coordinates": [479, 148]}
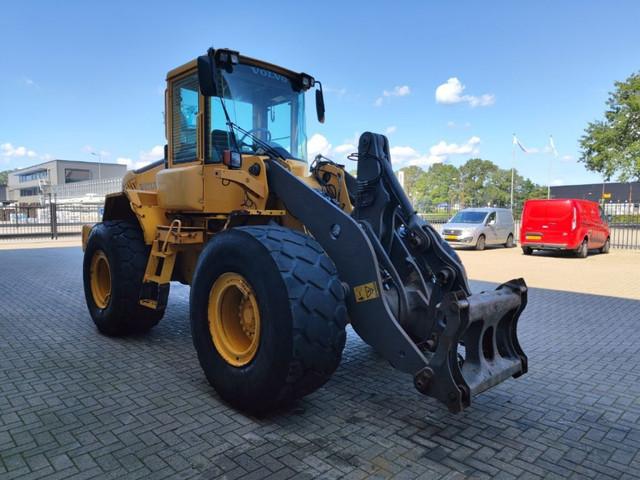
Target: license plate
{"type": "Point", "coordinates": [534, 237]}
{"type": "Point", "coordinates": [451, 237]}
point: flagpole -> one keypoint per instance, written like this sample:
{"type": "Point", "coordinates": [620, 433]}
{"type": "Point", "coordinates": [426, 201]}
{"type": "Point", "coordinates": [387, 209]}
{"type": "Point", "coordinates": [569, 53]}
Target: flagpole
{"type": "Point", "coordinates": [513, 162]}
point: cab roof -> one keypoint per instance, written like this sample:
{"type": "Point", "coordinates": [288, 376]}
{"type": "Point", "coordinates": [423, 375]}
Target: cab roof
{"type": "Point", "coordinates": [192, 65]}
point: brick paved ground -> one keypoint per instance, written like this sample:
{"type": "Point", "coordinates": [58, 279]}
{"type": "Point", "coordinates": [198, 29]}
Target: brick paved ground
{"type": "Point", "coordinates": [75, 404]}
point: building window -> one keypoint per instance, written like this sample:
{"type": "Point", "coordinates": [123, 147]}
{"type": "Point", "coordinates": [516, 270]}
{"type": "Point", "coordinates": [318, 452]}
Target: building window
{"type": "Point", "coordinates": [72, 175]}
{"type": "Point", "coordinates": [184, 125]}
{"type": "Point", "coordinates": [31, 176]}
{"type": "Point", "coordinates": [29, 192]}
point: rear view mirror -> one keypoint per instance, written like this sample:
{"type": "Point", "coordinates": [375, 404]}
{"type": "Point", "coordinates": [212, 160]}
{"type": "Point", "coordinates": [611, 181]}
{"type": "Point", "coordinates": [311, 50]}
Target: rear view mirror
{"type": "Point", "coordinates": [232, 159]}
{"type": "Point", "coordinates": [207, 74]}
{"type": "Point", "coordinates": [320, 104]}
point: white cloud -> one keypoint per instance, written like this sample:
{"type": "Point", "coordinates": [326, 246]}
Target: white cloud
{"type": "Point", "coordinates": [444, 148]}
{"type": "Point", "coordinates": [452, 91]}
{"type": "Point", "coordinates": [391, 129]}
{"type": "Point", "coordinates": [397, 91]}
{"type": "Point", "coordinates": [557, 182]}
{"type": "Point", "coordinates": [156, 153]}
{"type": "Point", "coordinates": [567, 158]}
{"type": "Point", "coordinates": [318, 144]}
{"type": "Point", "coordinates": [8, 150]}
{"type": "Point", "coordinates": [144, 158]}
{"type": "Point", "coordinates": [125, 161]}
{"type": "Point", "coordinates": [345, 148]}
{"type": "Point", "coordinates": [403, 156]}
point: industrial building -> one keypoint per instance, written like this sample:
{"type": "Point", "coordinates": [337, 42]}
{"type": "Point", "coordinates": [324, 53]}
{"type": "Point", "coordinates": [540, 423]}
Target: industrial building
{"type": "Point", "coordinates": [29, 186]}
{"type": "Point", "coordinates": [613, 192]}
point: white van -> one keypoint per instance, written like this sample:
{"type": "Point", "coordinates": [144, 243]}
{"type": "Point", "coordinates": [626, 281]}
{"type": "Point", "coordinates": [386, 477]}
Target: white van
{"type": "Point", "coordinates": [478, 227]}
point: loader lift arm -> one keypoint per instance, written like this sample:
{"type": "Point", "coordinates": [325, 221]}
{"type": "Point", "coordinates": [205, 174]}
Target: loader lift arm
{"type": "Point", "coordinates": [408, 295]}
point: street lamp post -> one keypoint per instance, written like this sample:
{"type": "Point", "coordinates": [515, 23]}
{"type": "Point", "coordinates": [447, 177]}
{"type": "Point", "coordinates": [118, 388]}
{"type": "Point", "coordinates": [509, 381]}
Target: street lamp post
{"type": "Point", "coordinates": [99, 155]}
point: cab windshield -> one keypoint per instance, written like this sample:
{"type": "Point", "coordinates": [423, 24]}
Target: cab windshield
{"type": "Point", "coordinates": [468, 217]}
{"type": "Point", "coordinates": [265, 105]}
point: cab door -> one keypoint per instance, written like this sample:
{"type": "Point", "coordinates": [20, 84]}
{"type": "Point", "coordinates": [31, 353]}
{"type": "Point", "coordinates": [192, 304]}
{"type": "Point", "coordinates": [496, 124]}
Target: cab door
{"type": "Point", "coordinates": [491, 229]}
{"type": "Point", "coordinates": [181, 186]}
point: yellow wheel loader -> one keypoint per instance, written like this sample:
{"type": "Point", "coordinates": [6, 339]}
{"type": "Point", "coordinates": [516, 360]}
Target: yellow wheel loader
{"type": "Point", "coordinates": [281, 255]}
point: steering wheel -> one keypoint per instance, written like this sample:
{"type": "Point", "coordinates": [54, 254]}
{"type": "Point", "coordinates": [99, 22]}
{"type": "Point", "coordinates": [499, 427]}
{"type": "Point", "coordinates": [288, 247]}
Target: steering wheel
{"type": "Point", "coordinates": [253, 131]}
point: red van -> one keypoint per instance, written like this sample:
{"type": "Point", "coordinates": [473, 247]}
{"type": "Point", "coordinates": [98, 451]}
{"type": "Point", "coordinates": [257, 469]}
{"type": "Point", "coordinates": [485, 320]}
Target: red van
{"type": "Point", "coordinates": [564, 224]}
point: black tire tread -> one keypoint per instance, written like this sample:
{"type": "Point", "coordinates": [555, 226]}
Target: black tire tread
{"type": "Point", "coordinates": [126, 314]}
{"type": "Point", "coordinates": [313, 288]}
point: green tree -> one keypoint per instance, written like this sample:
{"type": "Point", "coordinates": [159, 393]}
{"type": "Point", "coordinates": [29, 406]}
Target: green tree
{"type": "Point", "coordinates": [612, 146]}
{"type": "Point", "coordinates": [440, 184]}
{"type": "Point", "coordinates": [411, 176]}
{"type": "Point", "coordinates": [4, 177]}
{"type": "Point", "coordinates": [476, 176]}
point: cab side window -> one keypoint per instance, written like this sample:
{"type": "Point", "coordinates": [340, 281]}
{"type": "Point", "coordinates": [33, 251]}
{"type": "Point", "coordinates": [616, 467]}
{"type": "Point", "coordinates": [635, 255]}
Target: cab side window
{"type": "Point", "coordinates": [184, 121]}
{"type": "Point", "coordinates": [490, 218]}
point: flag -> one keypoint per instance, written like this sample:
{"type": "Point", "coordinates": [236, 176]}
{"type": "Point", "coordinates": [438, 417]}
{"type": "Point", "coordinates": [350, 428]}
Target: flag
{"type": "Point", "coordinates": [517, 142]}
{"type": "Point", "coordinates": [553, 146]}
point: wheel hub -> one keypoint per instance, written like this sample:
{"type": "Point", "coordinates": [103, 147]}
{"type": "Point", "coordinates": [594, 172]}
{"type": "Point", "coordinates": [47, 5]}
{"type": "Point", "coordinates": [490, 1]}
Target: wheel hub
{"type": "Point", "coordinates": [100, 274]}
{"type": "Point", "coordinates": [234, 319]}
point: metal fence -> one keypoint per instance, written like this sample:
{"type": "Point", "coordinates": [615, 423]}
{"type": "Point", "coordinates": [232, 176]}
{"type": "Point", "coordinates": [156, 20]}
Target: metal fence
{"type": "Point", "coordinates": [623, 219]}
{"type": "Point", "coordinates": [61, 219]}
{"type": "Point", "coordinates": [47, 221]}
{"type": "Point", "coordinates": [90, 191]}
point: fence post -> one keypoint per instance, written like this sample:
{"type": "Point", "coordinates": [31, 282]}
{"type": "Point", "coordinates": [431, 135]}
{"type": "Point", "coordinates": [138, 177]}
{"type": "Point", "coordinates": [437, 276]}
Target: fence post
{"type": "Point", "coordinates": [53, 220]}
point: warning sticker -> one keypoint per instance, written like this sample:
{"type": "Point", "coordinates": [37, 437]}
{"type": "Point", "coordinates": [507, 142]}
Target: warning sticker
{"type": "Point", "coordinates": [367, 291]}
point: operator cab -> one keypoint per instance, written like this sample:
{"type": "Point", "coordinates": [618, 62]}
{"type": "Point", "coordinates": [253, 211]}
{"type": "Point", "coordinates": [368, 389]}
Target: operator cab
{"type": "Point", "coordinates": [225, 102]}
{"type": "Point", "coordinates": [226, 116]}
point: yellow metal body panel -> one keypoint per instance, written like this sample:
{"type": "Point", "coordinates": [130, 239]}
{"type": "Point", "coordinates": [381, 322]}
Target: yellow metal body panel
{"type": "Point", "coordinates": [181, 188]}
{"type": "Point", "coordinates": [145, 205]}
{"type": "Point", "coordinates": [227, 190]}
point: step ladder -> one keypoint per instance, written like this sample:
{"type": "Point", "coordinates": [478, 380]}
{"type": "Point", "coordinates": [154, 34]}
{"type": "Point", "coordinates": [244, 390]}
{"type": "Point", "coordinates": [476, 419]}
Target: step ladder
{"type": "Point", "coordinates": [162, 259]}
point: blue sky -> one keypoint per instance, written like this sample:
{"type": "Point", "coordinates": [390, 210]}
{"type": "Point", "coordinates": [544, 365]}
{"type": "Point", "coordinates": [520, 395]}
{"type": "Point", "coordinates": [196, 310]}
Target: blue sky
{"type": "Point", "coordinates": [78, 77]}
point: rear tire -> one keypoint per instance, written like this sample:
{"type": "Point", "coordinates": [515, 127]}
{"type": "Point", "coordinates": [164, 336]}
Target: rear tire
{"type": "Point", "coordinates": [606, 247]}
{"type": "Point", "coordinates": [509, 243]}
{"type": "Point", "coordinates": [117, 247]}
{"type": "Point", "coordinates": [527, 250]}
{"type": "Point", "coordinates": [583, 250]}
{"type": "Point", "coordinates": [301, 312]}
{"type": "Point", "coordinates": [480, 243]}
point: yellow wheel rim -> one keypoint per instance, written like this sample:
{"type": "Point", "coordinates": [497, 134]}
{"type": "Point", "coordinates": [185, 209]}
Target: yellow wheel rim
{"type": "Point", "coordinates": [100, 279]}
{"type": "Point", "coordinates": [234, 319]}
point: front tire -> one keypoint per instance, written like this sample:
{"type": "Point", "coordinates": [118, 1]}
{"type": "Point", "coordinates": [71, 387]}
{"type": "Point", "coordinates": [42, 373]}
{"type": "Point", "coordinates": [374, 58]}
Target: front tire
{"type": "Point", "coordinates": [527, 250]}
{"type": "Point", "coordinates": [481, 242]}
{"type": "Point", "coordinates": [114, 263]}
{"type": "Point", "coordinates": [294, 342]}
{"type": "Point", "coordinates": [606, 247]}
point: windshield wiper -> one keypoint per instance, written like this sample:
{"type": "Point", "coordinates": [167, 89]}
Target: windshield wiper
{"type": "Point", "coordinates": [268, 148]}
{"type": "Point", "coordinates": [232, 127]}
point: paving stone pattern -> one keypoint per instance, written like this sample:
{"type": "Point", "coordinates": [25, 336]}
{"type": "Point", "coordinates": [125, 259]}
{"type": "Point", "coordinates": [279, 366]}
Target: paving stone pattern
{"type": "Point", "coordinates": [75, 404]}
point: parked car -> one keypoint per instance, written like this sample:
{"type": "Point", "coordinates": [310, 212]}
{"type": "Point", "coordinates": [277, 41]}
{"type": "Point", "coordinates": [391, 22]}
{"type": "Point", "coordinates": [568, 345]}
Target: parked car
{"type": "Point", "coordinates": [564, 224]}
{"type": "Point", "coordinates": [478, 227]}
